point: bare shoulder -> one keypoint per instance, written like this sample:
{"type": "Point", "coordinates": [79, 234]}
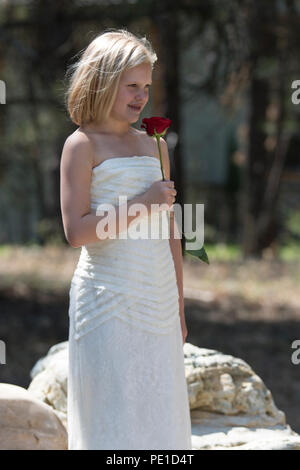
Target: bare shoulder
{"type": "Point", "coordinates": [77, 152]}
{"type": "Point", "coordinates": [75, 177]}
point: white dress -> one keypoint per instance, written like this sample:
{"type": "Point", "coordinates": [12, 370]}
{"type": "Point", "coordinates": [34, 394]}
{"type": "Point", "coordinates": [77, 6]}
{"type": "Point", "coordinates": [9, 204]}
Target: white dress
{"type": "Point", "coordinates": [126, 381]}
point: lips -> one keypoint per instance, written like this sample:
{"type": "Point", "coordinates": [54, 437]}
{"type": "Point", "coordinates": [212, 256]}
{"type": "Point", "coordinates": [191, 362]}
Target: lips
{"type": "Point", "coordinates": [135, 107]}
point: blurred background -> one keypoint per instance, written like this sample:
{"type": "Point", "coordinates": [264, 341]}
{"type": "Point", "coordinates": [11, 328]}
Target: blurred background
{"type": "Point", "coordinates": [226, 76]}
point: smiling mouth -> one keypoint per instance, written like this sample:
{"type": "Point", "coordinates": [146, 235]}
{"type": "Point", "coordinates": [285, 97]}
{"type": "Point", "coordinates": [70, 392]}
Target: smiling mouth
{"type": "Point", "coordinates": [135, 108]}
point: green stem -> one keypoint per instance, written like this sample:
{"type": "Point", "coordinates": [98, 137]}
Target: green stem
{"type": "Point", "coordinates": [159, 149]}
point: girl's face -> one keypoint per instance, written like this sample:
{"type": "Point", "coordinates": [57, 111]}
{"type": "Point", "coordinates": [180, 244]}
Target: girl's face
{"type": "Point", "coordinates": [133, 93]}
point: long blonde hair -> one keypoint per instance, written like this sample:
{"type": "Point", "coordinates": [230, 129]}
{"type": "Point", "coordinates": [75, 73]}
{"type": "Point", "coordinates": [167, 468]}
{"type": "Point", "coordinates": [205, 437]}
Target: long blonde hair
{"type": "Point", "coordinates": [95, 77]}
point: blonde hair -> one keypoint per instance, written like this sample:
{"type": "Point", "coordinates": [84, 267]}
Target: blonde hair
{"type": "Point", "coordinates": [95, 77]}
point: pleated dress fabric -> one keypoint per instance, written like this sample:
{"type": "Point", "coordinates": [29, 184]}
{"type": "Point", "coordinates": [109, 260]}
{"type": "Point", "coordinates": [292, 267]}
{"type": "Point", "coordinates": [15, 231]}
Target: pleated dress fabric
{"type": "Point", "coordinates": [126, 378]}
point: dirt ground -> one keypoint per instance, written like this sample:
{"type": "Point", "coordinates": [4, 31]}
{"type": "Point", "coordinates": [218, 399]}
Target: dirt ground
{"type": "Point", "coordinates": [247, 309]}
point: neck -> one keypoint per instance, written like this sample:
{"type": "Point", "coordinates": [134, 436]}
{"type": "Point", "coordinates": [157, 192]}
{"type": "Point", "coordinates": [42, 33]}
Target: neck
{"type": "Point", "coordinates": [111, 129]}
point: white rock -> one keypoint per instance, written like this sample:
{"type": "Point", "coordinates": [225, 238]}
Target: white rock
{"type": "Point", "coordinates": [226, 384]}
{"type": "Point", "coordinates": [28, 424]}
{"type": "Point", "coordinates": [50, 380]}
{"type": "Point", "coordinates": [231, 408]}
{"type": "Point", "coordinates": [211, 431]}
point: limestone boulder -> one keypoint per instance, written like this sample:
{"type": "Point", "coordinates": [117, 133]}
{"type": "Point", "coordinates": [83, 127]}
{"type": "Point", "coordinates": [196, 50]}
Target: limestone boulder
{"type": "Point", "coordinates": [50, 380]}
{"type": "Point", "coordinates": [231, 408]}
{"type": "Point", "coordinates": [27, 423]}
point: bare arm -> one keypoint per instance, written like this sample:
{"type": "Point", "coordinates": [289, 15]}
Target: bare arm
{"type": "Point", "coordinates": [176, 249]}
{"type": "Point", "coordinates": [76, 170]}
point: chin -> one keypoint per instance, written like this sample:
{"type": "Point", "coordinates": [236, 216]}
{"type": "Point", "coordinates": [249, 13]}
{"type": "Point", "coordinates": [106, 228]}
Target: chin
{"type": "Point", "coordinates": [134, 119]}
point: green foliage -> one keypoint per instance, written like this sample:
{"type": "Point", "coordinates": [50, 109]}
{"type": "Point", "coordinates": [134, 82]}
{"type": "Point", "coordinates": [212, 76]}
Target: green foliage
{"type": "Point", "coordinates": [290, 252]}
{"type": "Point", "coordinates": [233, 252]}
{"type": "Point", "coordinates": [224, 252]}
{"type": "Point", "coordinates": [201, 254]}
{"type": "Point", "coordinates": [293, 224]}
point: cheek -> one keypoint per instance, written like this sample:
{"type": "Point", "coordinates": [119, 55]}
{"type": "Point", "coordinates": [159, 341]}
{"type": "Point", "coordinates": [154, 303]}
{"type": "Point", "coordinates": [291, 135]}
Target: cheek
{"type": "Point", "coordinates": [120, 98]}
{"type": "Point", "coordinates": [125, 95]}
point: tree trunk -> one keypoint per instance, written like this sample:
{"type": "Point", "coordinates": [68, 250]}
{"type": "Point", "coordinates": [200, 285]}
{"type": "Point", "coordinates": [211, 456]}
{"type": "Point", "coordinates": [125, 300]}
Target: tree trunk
{"type": "Point", "coordinates": [168, 22]}
{"type": "Point", "coordinates": [264, 167]}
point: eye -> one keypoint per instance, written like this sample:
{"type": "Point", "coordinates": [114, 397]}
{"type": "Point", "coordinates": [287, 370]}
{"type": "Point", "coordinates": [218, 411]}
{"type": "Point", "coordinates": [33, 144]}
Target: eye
{"type": "Point", "coordinates": [134, 84]}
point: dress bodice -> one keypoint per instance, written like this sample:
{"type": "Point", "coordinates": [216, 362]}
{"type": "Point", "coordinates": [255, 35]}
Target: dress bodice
{"type": "Point", "coordinates": [119, 179]}
{"type": "Point", "coordinates": [118, 175]}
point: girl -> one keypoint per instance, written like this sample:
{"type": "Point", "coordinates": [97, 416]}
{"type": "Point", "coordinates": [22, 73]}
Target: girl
{"type": "Point", "coordinates": [126, 382]}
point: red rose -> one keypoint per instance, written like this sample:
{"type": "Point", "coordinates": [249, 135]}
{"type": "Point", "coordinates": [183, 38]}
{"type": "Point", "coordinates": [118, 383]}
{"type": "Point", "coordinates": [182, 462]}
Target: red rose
{"type": "Point", "coordinates": [156, 124]}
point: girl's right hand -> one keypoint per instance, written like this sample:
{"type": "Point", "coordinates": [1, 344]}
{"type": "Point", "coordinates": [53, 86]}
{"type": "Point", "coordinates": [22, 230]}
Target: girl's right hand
{"type": "Point", "coordinates": [161, 192]}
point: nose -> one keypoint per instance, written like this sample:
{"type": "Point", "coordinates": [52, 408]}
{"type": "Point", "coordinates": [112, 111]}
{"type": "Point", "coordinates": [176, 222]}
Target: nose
{"type": "Point", "coordinates": [141, 96]}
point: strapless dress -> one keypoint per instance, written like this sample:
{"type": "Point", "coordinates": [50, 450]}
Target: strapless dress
{"type": "Point", "coordinates": [126, 378]}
